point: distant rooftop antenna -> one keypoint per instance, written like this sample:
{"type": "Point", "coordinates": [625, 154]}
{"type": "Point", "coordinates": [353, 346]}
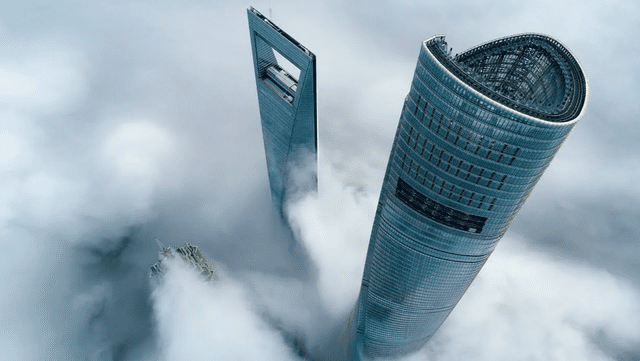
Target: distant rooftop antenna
{"type": "Point", "coordinates": [159, 244]}
{"type": "Point", "coordinates": [270, 15]}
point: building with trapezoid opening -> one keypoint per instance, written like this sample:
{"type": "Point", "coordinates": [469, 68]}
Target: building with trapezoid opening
{"type": "Point", "coordinates": [286, 81]}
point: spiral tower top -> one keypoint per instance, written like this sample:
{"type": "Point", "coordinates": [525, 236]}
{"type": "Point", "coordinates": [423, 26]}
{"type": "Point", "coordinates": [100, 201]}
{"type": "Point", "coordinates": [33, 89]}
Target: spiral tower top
{"type": "Point", "coordinates": [476, 133]}
{"type": "Point", "coordinates": [530, 73]}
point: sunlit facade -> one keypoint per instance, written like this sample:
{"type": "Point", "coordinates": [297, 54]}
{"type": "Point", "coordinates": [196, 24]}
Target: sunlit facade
{"type": "Point", "coordinates": [287, 107]}
{"type": "Point", "coordinates": [476, 132]}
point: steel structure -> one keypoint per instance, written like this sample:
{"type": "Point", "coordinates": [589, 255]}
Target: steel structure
{"type": "Point", "coordinates": [287, 108]}
{"type": "Point", "coordinates": [190, 254]}
{"type": "Point", "coordinates": [476, 132]}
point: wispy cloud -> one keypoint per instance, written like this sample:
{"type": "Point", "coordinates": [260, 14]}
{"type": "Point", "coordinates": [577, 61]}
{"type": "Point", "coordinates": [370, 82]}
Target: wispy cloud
{"type": "Point", "coordinates": [121, 122]}
{"type": "Point", "coordinates": [215, 320]}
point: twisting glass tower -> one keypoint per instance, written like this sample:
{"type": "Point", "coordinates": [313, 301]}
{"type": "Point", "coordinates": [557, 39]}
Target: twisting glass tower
{"type": "Point", "coordinates": [476, 132]}
{"type": "Point", "coordinates": [287, 107]}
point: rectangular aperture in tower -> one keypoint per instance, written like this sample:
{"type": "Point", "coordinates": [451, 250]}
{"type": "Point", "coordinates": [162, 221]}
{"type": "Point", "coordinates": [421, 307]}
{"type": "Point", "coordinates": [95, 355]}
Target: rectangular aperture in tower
{"type": "Point", "coordinates": [286, 82]}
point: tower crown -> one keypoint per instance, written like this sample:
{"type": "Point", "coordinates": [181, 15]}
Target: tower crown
{"type": "Point", "coordinates": [533, 74]}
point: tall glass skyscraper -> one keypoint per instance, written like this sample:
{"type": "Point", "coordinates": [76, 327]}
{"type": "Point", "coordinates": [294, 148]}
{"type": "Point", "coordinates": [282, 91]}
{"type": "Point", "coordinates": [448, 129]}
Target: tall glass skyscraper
{"type": "Point", "coordinates": [287, 107]}
{"type": "Point", "coordinates": [476, 132]}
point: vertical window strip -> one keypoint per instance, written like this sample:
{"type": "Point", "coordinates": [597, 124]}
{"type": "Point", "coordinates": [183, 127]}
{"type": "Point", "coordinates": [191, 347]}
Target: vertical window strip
{"type": "Point", "coordinates": [491, 204]}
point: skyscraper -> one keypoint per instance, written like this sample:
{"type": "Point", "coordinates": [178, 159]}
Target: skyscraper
{"type": "Point", "coordinates": [287, 107]}
{"type": "Point", "coordinates": [476, 132]}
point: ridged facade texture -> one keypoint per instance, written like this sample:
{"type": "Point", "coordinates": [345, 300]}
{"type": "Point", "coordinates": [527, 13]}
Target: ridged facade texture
{"type": "Point", "coordinates": [287, 108]}
{"type": "Point", "coordinates": [476, 132]}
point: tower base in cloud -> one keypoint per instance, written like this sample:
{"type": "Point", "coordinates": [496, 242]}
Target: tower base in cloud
{"type": "Point", "coordinates": [188, 253]}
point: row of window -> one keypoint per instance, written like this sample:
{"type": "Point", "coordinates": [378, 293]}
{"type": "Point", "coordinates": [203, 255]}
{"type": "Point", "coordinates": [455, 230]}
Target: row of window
{"type": "Point", "coordinates": [485, 121]}
{"type": "Point", "coordinates": [433, 241]}
{"type": "Point", "coordinates": [451, 164]}
{"type": "Point", "coordinates": [531, 160]}
{"type": "Point", "coordinates": [462, 136]}
{"type": "Point", "coordinates": [412, 162]}
{"type": "Point", "coordinates": [446, 189]}
{"type": "Point", "coordinates": [437, 211]}
{"type": "Point", "coordinates": [434, 78]}
{"type": "Point", "coordinates": [389, 266]}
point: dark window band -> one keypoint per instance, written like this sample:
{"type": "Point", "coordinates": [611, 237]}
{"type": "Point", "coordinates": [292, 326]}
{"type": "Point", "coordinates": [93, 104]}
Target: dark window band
{"type": "Point", "coordinates": [437, 211]}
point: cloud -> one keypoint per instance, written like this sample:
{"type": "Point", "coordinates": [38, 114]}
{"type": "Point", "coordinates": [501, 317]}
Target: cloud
{"type": "Point", "coordinates": [527, 305]}
{"type": "Point", "coordinates": [213, 321]}
{"type": "Point", "coordinates": [133, 154]}
{"type": "Point", "coordinates": [43, 80]}
{"type": "Point", "coordinates": [335, 225]}
{"type": "Point", "coordinates": [122, 122]}
{"type": "Point", "coordinates": [524, 304]}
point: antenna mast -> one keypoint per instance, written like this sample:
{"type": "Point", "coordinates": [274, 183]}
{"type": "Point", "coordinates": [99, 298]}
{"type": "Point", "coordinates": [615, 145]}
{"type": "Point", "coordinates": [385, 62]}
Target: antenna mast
{"type": "Point", "coordinates": [159, 244]}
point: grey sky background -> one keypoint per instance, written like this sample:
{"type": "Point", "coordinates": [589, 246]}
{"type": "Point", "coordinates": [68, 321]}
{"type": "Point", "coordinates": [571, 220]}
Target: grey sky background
{"type": "Point", "coordinates": [125, 121]}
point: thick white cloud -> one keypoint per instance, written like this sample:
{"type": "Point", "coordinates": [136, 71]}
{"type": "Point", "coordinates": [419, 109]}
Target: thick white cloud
{"type": "Point", "coordinates": [335, 225]}
{"type": "Point", "coordinates": [135, 153]}
{"type": "Point", "coordinates": [528, 305]}
{"type": "Point", "coordinates": [41, 80]}
{"type": "Point", "coordinates": [211, 320]}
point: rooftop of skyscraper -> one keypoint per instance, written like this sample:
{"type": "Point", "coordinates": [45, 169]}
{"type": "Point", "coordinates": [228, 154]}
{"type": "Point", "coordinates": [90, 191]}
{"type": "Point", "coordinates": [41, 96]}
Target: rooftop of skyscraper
{"type": "Point", "coordinates": [532, 73]}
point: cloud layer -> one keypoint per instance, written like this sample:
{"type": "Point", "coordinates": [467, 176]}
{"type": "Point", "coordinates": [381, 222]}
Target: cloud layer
{"type": "Point", "coordinates": [121, 122]}
{"type": "Point", "coordinates": [213, 321]}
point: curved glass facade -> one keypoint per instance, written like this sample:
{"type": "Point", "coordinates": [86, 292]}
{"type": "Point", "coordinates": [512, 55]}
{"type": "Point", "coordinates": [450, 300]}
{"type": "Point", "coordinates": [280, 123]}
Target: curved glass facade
{"type": "Point", "coordinates": [475, 134]}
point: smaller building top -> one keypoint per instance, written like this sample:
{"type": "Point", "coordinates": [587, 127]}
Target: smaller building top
{"type": "Point", "coordinates": [280, 31]}
{"type": "Point", "coordinates": [190, 254]}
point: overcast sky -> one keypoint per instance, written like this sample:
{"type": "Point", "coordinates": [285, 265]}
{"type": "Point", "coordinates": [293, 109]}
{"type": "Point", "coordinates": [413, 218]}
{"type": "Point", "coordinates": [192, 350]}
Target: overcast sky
{"type": "Point", "coordinates": [125, 121]}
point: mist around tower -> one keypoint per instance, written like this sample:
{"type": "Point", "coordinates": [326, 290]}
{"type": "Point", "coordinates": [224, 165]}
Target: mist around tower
{"type": "Point", "coordinates": [295, 319]}
{"type": "Point", "coordinates": [124, 122]}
